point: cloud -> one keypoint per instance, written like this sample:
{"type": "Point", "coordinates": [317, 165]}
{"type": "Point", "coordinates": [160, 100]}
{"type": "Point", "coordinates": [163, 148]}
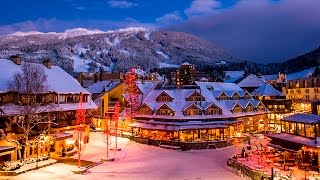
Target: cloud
{"type": "Point", "coordinates": [260, 30]}
{"type": "Point", "coordinates": [56, 25]}
{"type": "Point", "coordinates": [169, 18]}
{"type": "Point", "coordinates": [121, 4]}
{"type": "Point", "coordinates": [201, 7]}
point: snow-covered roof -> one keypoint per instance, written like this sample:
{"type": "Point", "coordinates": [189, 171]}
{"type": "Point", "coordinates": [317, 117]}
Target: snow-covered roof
{"type": "Point", "coordinates": [270, 77]}
{"type": "Point", "coordinates": [267, 90]}
{"type": "Point", "coordinates": [294, 138]}
{"type": "Point", "coordinates": [179, 102]}
{"type": "Point", "coordinates": [233, 74]}
{"type": "Point", "coordinates": [102, 86]}
{"type": "Point", "coordinates": [13, 109]}
{"type": "Point", "coordinates": [302, 74]}
{"type": "Point", "coordinates": [59, 80]}
{"type": "Point", "coordinates": [251, 81]}
{"type": "Point", "coordinates": [186, 63]}
{"type": "Point", "coordinates": [303, 118]}
{"type": "Point", "coordinates": [146, 86]}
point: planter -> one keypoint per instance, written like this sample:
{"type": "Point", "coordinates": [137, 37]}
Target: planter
{"type": "Point", "coordinates": [80, 170]}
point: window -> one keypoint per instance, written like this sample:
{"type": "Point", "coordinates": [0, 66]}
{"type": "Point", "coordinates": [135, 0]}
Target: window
{"type": "Point", "coordinates": [69, 99]}
{"type": "Point", "coordinates": [165, 110]}
{"type": "Point", "coordinates": [223, 96]}
{"type": "Point", "coordinates": [213, 110]}
{"type": "Point", "coordinates": [260, 107]}
{"type": "Point", "coordinates": [145, 110]}
{"type": "Point", "coordinates": [237, 109]}
{"type": "Point", "coordinates": [235, 96]}
{"type": "Point", "coordinates": [247, 96]}
{"type": "Point", "coordinates": [307, 91]}
{"type": "Point", "coordinates": [196, 97]}
{"type": "Point", "coordinates": [307, 97]}
{"type": "Point", "coordinates": [164, 97]}
{"type": "Point", "coordinates": [250, 108]}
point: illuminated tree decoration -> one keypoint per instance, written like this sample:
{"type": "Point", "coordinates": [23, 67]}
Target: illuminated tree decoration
{"type": "Point", "coordinates": [80, 137]}
{"type": "Point", "coordinates": [132, 92]}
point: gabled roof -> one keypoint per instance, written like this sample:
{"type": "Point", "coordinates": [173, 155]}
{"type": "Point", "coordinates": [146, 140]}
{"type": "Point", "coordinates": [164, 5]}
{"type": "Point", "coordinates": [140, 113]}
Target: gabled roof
{"type": "Point", "coordinates": [148, 105]}
{"type": "Point", "coordinates": [166, 104]}
{"type": "Point", "coordinates": [167, 93]}
{"type": "Point", "coordinates": [267, 90]}
{"type": "Point", "coordinates": [251, 81]}
{"type": "Point", "coordinates": [59, 81]}
{"type": "Point", "coordinates": [192, 93]}
{"type": "Point", "coordinates": [206, 105]}
{"type": "Point", "coordinates": [191, 104]}
{"type": "Point", "coordinates": [102, 86]}
{"type": "Point", "coordinates": [145, 87]}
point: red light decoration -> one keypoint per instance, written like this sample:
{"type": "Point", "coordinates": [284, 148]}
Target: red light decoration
{"type": "Point", "coordinates": [132, 92]}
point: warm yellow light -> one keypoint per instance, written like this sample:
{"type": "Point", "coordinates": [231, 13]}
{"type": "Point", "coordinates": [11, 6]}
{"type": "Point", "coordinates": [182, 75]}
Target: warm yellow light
{"type": "Point", "coordinates": [69, 141]}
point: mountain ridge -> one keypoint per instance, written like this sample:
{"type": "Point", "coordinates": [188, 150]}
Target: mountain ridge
{"type": "Point", "coordinates": [87, 50]}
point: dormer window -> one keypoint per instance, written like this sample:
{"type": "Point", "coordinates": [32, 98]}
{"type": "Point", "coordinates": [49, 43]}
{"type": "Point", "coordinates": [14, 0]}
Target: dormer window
{"type": "Point", "coordinates": [165, 110]}
{"type": "Point", "coordinates": [145, 110]}
{"type": "Point", "coordinates": [246, 95]}
{"type": "Point", "coordinates": [192, 110]}
{"type": "Point", "coordinates": [164, 97]}
{"type": "Point", "coordinates": [249, 108]}
{"type": "Point", "coordinates": [223, 96]}
{"type": "Point", "coordinates": [260, 107]}
{"type": "Point", "coordinates": [213, 109]}
{"type": "Point", "coordinates": [196, 96]}
{"type": "Point", "coordinates": [237, 109]}
{"type": "Point", "coordinates": [235, 96]}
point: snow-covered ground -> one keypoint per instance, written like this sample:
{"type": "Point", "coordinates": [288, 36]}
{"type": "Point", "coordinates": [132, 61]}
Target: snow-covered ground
{"type": "Point", "coordinates": [138, 161]}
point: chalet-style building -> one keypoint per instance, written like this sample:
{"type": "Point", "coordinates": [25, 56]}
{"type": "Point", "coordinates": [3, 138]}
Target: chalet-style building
{"type": "Point", "coordinates": [274, 100]}
{"type": "Point", "coordinates": [194, 112]}
{"type": "Point", "coordinates": [59, 105]}
{"type": "Point", "coordinates": [105, 94]}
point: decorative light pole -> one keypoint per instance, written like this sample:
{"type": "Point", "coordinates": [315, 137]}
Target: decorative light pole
{"type": "Point", "coordinates": [105, 139]}
{"type": "Point", "coordinates": [80, 129]}
{"type": "Point", "coordinates": [115, 119]}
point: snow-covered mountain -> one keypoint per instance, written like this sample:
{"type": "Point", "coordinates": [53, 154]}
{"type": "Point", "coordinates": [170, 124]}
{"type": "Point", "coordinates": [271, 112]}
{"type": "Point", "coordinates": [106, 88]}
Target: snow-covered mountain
{"type": "Point", "coordinates": [89, 50]}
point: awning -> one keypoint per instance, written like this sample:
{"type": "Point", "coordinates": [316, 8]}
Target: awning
{"type": "Point", "coordinates": [4, 150]}
{"type": "Point", "coordinates": [280, 147]}
{"type": "Point", "coordinates": [177, 128]}
{"type": "Point", "coordinates": [61, 136]}
{"type": "Point", "coordinates": [285, 139]}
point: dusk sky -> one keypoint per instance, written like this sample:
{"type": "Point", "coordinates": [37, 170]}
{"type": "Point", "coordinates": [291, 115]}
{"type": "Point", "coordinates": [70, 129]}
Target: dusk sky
{"type": "Point", "coordinates": [256, 30]}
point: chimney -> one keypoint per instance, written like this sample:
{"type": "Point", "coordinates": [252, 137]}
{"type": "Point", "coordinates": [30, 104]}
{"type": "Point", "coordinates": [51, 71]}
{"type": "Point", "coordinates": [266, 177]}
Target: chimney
{"type": "Point", "coordinates": [16, 59]}
{"type": "Point", "coordinates": [47, 63]}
